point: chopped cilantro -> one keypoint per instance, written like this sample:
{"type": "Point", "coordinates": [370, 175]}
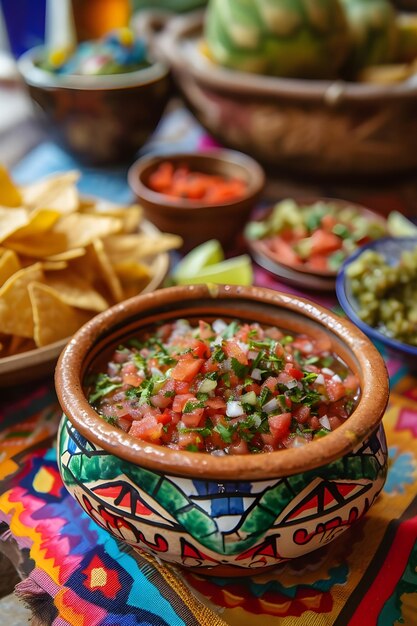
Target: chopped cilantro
{"type": "Point", "coordinates": [190, 406]}
{"type": "Point", "coordinates": [192, 447]}
{"type": "Point", "coordinates": [309, 377]}
{"type": "Point", "coordinates": [240, 369]}
{"type": "Point", "coordinates": [264, 395]}
{"type": "Point", "coordinates": [103, 386]}
{"type": "Point", "coordinates": [169, 394]}
{"type": "Point", "coordinates": [225, 432]}
{"type": "Point", "coordinates": [218, 354]}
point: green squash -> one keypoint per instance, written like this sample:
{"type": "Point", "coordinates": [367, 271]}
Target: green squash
{"type": "Point", "coordinates": [373, 29]}
{"type": "Point", "coordinates": [292, 38]}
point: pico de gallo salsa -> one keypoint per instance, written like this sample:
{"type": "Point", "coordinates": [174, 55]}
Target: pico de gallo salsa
{"type": "Point", "coordinates": [224, 388]}
{"type": "Point", "coordinates": [318, 236]}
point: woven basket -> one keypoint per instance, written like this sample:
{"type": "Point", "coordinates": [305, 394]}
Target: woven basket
{"type": "Point", "coordinates": [309, 126]}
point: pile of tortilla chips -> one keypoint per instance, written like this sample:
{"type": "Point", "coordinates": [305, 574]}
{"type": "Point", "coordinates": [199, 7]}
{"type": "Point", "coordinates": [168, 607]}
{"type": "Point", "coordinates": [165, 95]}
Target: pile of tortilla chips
{"type": "Point", "coordinates": [63, 259]}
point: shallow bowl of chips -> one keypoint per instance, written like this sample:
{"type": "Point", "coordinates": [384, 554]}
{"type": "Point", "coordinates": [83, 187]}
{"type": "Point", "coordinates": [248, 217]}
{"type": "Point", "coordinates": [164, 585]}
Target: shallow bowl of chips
{"type": "Point", "coordinates": [229, 515]}
{"type": "Point", "coordinates": [63, 259]}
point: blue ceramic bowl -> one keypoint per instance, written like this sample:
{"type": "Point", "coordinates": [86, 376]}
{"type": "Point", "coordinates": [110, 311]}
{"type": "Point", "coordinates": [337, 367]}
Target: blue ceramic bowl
{"type": "Point", "coordinates": [391, 248]}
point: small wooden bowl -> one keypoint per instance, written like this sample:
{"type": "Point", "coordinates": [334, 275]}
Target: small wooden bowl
{"type": "Point", "coordinates": [100, 119]}
{"type": "Point", "coordinates": [227, 515]}
{"type": "Point", "coordinates": [197, 221]}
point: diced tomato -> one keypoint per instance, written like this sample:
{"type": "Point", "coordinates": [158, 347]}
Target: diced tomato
{"type": "Point", "coordinates": [283, 251]}
{"type": "Point", "coordinates": [335, 421]}
{"type": "Point", "coordinates": [147, 429]}
{"type": "Point", "coordinates": [323, 242]}
{"type": "Point", "coordinates": [335, 389]}
{"type": "Point", "coordinates": [294, 372]}
{"type": "Point", "coordinates": [186, 369]}
{"type": "Point", "coordinates": [216, 403]}
{"type": "Point", "coordinates": [193, 418]}
{"type": "Point", "coordinates": [328, 222]}
{"type": "Point", "coordinates": [124, 423]}
{"type": "Point", "coordinates": [279, 425]}
{"type": "Point", "coordinates": [181, 400]}
{"type": "Point", "coordinates": [210, 366]}
{"type": "Point", "coordinates": [201, 350]}
{"type": "Point", "coordinates": [190, 439]}
{"type": "Point", "coordinates": [253, 387]}
{"type": "Point", "coordinates": [130, 375]}
{"type": "Point", "coordinates": [271, 383]}
{"type": "Point", "coordinates": [233, 350]}
{"type": "Point", "coordinates": [351, 382]}
{"type": "Point", "coordinates": [240, 447]}
{"type": "Point", "coordinates": [318, 262]}
{"type": "Point", "coordinates": [301, 413]}
{"type": "Point", "coordinates": [181, 386]}
{"type": "Point", "coordinates": [164, 418]}
{"type": "Point", "coordinates": [160, 400]}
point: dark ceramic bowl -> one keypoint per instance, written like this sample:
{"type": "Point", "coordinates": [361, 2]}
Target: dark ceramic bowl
{"type": "Point", "coordinates": [391, 249]}
{"type": "Point", "coordinates": [303, 276]}
{"type": "Point", "coordinates": [100, 119]}
{"type": "Point", "coordinates": [229, 515]}
{"type": "Point", "coordinates": [305, 126]}
{"type": "Point", "coordinates": [197, 221]}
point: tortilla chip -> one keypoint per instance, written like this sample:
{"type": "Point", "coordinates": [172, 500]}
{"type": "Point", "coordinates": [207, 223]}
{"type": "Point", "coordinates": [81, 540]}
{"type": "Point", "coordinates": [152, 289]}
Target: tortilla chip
{"type": "Point", "coordinates": [39, 221]}
{"type": "Point", "coordinates": [130, 216]}
{"type": "Point", "coordinates": [9, 194]}
{"type": "Point", "coordinates": [54, 266]}
{"type": "Point", "coordinates": [139, 246]}
{"type": "Point", "coordinates": [9, 264]}
{"type": "Point", "coordinates": [81, 228]}
{"type": "Point", "coordinates": [11, 220]}
{"type": "Point", "coordinates": [67, 255]}
{"type": "Point", "coordinates": [40, 247]}
{"type": "Point", "coordinates": [52, 193]}
{"type": "Point", "coordinates": [15, 306]}
{"type": "Point", "coordinates": [129, 269]}
{"type": "Point", "coordinates": [53, 318]}
{"type": "Point", "coordinates": [97, 269]}
{"type": "Point", "coordinates": [76, 291]}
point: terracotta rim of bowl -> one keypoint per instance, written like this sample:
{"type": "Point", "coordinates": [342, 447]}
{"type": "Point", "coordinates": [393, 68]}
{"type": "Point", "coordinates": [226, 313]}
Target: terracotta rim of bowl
{"type": "Point", "coordinates": [331, 92]}
{"type": "Point", "coordinates": [364, 420]}
{"type": "Point", "coordinates": [37, 77]}
{"type": "Point", "coordinates": [255, 177]}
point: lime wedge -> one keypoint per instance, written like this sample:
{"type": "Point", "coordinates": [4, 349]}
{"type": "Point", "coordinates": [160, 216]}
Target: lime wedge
{"type": "Point", "coordinates": [205, 254]}
{"type": "Point", "coordinates": [400, 226]}
{"type": "Point", "coordinates": [235, 271]}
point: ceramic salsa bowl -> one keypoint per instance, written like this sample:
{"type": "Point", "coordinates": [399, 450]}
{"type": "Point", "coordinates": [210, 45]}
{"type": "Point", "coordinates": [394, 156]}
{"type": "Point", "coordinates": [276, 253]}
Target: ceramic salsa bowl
{"type": "Point", "coordinates": [226, 515]}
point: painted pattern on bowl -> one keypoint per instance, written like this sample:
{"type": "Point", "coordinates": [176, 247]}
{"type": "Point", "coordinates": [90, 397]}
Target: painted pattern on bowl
{"type": "Point", "coordinates": [209, 523]}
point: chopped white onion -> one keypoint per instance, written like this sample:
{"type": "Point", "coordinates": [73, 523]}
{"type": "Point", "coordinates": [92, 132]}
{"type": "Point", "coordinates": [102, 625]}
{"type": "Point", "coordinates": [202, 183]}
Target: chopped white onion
{"type": "Point", "coordinates": [291, 384]}
{"type": "Point", "coordinates": [319, 380]}
{"type": "Point", "coordinates": [324, 421]}
{"type": "Point", "coordinates": [218, 453]}
{"type": "Point", "coordinates": [216, 342]}
{"type": "Point", "coordinates": [219, 326]}
{"type": "Point", "coordinates": [156, 372]}
{"type": "Point", "coordinates": [326, 370]}
{"type": "Point", "coordinates": [252, 354]}
{"type": "Point", "coordinates": [256, 374]}
{"type": "Point", "coordinates": [234, 408]}
{"type": "Point", "coordinates": [270, 406]}
{"type": "Point", "coordinates": [243, 346]}
{"type": "Point", "coordinates": [337, 378]}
